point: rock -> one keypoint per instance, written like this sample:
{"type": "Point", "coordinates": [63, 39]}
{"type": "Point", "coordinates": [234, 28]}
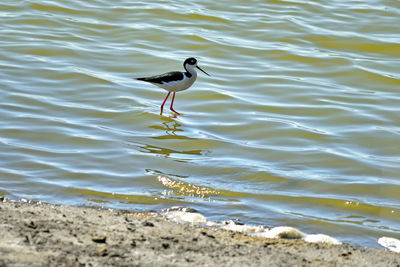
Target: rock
{"type": "Point", "coordinates": [102, 251]}
{"type": "Point", "coordinates": [31, 225]}
{"type": "Point", "coordinates": [99, 239]}
{"type": "Point", "coordinates": [149, 224]}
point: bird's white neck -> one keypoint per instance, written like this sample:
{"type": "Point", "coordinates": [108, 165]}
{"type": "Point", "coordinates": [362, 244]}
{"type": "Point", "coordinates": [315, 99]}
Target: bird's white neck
{"type": "Point", "coordinates": [191, 70]}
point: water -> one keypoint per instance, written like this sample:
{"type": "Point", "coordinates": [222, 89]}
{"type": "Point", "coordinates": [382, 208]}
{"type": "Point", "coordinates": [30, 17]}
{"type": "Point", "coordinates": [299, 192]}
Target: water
{"type": "Point", "coordinates": [298, 124]}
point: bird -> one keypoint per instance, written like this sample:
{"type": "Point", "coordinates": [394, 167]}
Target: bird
{"type": "Point", "coordinates": [175, 81]}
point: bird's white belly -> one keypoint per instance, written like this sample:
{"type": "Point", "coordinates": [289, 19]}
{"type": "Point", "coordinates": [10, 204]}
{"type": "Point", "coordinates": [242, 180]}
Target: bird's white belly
{"type": "Point", "coordinates": [181, 85]}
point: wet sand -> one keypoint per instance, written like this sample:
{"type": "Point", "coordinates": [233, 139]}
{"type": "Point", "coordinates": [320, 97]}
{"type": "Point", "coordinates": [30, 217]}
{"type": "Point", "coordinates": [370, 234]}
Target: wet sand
{"type": "Point", "coordinates": [39, 234]}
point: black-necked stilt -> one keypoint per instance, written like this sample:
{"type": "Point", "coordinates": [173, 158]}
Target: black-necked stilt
{"type": "Point", "coordinates": [175, 81]}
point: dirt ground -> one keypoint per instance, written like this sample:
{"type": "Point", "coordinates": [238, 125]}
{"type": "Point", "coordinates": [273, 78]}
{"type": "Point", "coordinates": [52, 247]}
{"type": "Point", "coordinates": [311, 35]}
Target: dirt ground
{"type": "Point", "coordinates": [33, 234]}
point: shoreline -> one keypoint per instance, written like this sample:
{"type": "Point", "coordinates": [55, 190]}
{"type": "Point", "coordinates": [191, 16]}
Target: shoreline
{"type": "Point", "coordinates": [41, 234]}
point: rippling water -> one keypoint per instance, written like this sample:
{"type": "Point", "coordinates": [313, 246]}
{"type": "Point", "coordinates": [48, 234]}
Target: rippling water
{"type": "Point", "coordinates": [298, 124]}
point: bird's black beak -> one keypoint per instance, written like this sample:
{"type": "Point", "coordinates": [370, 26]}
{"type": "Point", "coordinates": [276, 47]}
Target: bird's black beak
{"type": "Point", "coordinates": [202, 70]}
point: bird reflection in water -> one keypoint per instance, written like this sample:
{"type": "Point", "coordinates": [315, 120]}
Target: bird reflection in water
{"type": "Point", "coordinates": [170, 126]}
{"type": "Point", "coordinates": [171, 129]}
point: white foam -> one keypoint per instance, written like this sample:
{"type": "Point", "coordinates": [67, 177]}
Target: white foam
{"type": "Point", "coordinates": [243, 228]}
{"type": "Point", "coordinates": [188, 217]}
{"type": "Point", "coordinates": [184, 215]}
{"type": "Point", "coordinates": [321, 238]}
{"type": "Point", "coordinates": [285, 232]}
{"type": "Point", "coordinates": [390, 243]}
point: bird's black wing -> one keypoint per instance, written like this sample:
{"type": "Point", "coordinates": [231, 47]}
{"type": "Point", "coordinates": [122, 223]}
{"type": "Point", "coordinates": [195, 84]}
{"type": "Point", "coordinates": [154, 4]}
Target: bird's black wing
{"type": "Point", "coordinates": [162, 78]}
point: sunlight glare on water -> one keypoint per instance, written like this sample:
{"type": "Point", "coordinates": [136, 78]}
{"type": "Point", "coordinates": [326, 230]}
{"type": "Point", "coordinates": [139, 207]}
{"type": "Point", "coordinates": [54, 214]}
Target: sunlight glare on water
{"type": "Point", "coordinates": [297, 125]}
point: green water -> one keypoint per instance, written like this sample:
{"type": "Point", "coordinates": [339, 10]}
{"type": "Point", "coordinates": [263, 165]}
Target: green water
{"type": "Point", "coordinates": [297, 125]}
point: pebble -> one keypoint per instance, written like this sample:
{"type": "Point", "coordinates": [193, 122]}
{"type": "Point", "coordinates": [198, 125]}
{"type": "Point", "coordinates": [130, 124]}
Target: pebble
{"type": "Point", "coordinates": [99, 239]}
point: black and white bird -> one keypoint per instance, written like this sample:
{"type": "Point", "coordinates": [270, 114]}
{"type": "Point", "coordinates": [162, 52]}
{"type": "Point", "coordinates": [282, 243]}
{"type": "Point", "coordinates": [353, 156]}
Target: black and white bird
{"type": "Point", "coordinates": [175, 81]}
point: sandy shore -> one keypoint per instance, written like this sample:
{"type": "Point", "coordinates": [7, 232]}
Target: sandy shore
{"type": "Point", "coordinates": [51, 235]}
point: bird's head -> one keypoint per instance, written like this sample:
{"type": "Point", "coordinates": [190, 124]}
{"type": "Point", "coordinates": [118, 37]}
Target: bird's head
{"type": "Point", "coordinates": [191, 63]}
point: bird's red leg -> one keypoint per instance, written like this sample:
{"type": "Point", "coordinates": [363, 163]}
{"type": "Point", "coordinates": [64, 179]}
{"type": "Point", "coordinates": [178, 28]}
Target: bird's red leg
{"type": "Point", "coordinates": [172, 104]}
{"type": "Point", "coordinates": [162, 105]}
